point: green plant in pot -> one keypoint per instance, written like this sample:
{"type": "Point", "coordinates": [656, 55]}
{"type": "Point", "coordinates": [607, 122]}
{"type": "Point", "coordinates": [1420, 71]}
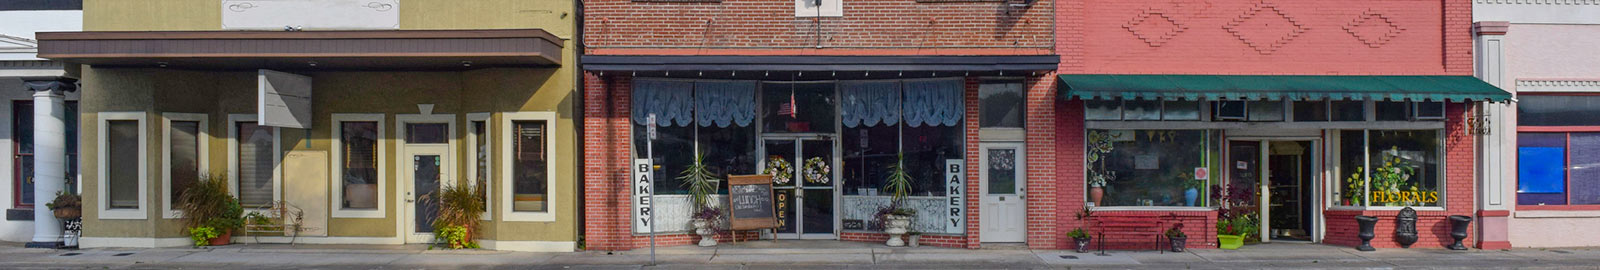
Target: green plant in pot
{"type": "Point", "coordinates": [1078, 235]}
{"type": "Point", "coordinates": [701, 184]}
{"type": "Point", "coordinates": [1178, 239]}
{"type": "Point", "coordinates": [1232, 232]}
{"type": "Point", "coordinates": [209, 211]}
{"type": "Point", "coordinates": [897, 218]}
{"type": "Point", "coordinates": [1101, 144]}
{"type": "Point", "coordinates": [460, 210]}
{"type": "Point", "coordinates": [66, 205]}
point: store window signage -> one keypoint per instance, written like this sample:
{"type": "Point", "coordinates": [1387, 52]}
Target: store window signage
{"type": "Point", "coordinates": [1405, 196]}
{"type": "Point", "coordinates": [955, 184]}
{"type": "Point", "coordinates": [298, 15]}
{"type": "Point", "coordinates": [643, 180]}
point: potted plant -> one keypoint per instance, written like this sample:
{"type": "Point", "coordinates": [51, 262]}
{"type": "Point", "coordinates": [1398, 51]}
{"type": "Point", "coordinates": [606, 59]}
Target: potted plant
{"type": "Point", "coordinates": [1191, 191]}
{"type": "Point", "coordinates": [210, 212]}
{"type": "Point", "coordinates": [66, 205]}
{"type": "Point", "coordinates": [1078, 235]}
{"type": "Point", "coordinates": [702, 184]}
{"type": "Point", "coordinates": [1178, 239]}
{"type": "Point", "coordinates": [1099, 150]}
{"type": "Point", "coordinates": [897, 219]}
{"type": "Point", "coordinates": [460, 210]}
{"type": "Point", "coordinates": [1232, 232]}
{"type": "Point", "coordinates": [913, 237]}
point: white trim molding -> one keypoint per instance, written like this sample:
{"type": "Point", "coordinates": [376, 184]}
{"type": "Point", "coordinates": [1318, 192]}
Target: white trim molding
{"type": "Point", "coordinates": [336, 152]}
{"type": "Point", "coordinates": [142, 211]}
{"type": "Point", "coordinates": [203, 139]}
{"type": "Point", "coordinates": [233, 157]}
{"type": "Point", "coordinates": [1558, 85]}
{"type": "Point", "coordinates": [131, 242]}
{"type": "Point", "coordinates": [404, 212]}
{"type": "Point", "coordinates": [551, 198]}
{"type": "Point", "coordinates": [530, 246]}
{"type": "Point", "coordinates": [472, 159]}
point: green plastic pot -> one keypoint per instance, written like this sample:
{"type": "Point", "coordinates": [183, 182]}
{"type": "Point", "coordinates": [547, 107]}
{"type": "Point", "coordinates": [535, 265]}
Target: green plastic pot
{"type": "Point", "coordinates": [1230, 241]}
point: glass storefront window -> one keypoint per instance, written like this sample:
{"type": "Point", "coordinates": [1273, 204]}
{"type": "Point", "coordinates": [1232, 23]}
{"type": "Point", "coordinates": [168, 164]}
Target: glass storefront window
{"type": "Point", "coordinates": [926, 149]}
{"type": "Point", "coordinates": [798, 107]}
{"type": "Point", "coordinates": [1149, 167]}
{"type": "Point", "coordinates": [1401, 167]}
{"type": "Point", "coordinates": [1560, 110]}
{"type": "Point", "coordinates": [868, 152]}
{"type": "Point", "coordinates": [1551, 168]}
{"type": "Point", "coordinates": [1002, 102]}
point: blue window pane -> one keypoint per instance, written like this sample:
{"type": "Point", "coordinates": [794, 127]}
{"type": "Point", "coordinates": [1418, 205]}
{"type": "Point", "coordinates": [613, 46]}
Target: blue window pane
{"type": "Point", "coordinates": [1541, 168]}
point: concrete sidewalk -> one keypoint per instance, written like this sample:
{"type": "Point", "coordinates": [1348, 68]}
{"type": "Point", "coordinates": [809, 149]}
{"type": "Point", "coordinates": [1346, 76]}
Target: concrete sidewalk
{"type": "Point", "coordinates": [787, 255]}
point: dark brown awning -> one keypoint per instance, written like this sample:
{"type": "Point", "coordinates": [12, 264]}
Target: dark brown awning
{"type": "Point", "coordinates": [390, 49]}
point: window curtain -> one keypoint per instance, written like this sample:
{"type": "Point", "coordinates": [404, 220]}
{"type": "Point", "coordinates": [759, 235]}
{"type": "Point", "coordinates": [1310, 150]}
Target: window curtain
{"type": "Point", "coordinates": [671, 101]}
{"type": "Point", "coordinates": [724, 103]}
{"type": "Point", "coordinates": [936, 102]}
{"type": "Point", "coordinates": [870, 103]}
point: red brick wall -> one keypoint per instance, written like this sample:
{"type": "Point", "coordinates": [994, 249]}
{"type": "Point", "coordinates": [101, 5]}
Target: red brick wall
{"type": "Point", "coordinates": [1042, 181]}
{"type": "Point", "coordinates": [1433, 226]}
{"type": "Point", "coordinates": [744, 27]}
{"type": "Point", "coordinates": [1069, 143]}
{"type": "Point", "coordinates": [1140, 37]}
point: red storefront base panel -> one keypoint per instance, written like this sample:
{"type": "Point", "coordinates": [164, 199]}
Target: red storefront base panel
{"type": "Point", "coordinates": [949, 241]}
{"type": "Point", "coordinates": [1433, 229]}
{"type": "Point", "coordinates": [687, 239]}
{"type": "Point", "coordinates": [1199, 226]}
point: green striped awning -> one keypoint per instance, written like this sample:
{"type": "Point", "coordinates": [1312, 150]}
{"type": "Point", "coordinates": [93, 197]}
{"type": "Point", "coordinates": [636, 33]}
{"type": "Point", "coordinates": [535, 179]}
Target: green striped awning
{"type": "Point", "coordinates": [1276, 87]}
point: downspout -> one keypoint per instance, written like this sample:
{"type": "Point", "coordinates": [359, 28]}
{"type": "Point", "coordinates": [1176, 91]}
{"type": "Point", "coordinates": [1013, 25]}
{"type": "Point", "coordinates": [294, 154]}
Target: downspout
{"type": "Point", "coordinates": [578, 116]}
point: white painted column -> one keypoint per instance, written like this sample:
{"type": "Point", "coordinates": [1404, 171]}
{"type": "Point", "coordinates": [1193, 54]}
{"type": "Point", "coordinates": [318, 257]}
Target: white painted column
{"type": "Point", "coordinates": [1493, 157]}
{"type": "Point", "coordinates": [49, 160]}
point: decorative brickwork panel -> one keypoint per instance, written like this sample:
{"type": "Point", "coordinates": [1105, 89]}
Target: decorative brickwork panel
{"type": "Point", "coordinates": [635, 27]}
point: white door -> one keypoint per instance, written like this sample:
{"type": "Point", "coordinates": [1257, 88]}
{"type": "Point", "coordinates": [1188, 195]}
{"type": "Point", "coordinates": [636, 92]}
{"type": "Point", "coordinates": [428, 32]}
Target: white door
{"type": "Point", "coordinates": [1003, 214]}
{"type": "Point", "coordinates": [426, 164]}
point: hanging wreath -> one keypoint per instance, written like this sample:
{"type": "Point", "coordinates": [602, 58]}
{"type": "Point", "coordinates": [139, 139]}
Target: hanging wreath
{"type": "Point", "coordinates": [779, 168]}
{"type": "Point", "coordinates": [817, 171]}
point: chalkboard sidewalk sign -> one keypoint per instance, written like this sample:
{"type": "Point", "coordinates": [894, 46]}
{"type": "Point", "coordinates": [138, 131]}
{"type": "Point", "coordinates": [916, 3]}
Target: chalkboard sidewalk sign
{"type": "Point", "coordinates": [750, 204]}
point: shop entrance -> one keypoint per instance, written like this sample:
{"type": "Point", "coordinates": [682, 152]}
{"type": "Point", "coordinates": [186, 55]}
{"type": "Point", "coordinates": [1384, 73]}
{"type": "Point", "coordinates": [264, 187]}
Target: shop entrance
{"type": "Point", "coordinates": [805, 200]}
{"type": "Point", "coordinates": [426, 164]}
{"type": "Point", "coordinates": [1282, 172]}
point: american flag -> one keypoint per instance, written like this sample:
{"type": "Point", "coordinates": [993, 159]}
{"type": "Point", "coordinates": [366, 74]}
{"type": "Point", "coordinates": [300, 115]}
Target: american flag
{"type": "Point", "coordinates": [788, 107]}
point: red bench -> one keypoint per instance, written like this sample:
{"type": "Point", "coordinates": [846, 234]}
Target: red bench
{"type": "Point", "coordinates": [1138, 226]}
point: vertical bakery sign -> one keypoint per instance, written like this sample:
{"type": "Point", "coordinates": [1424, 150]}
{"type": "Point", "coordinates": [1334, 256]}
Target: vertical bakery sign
{"type": "Point", "coordinates": [643, 182]}
{"type": "Point", "coordinates": [956, 190]}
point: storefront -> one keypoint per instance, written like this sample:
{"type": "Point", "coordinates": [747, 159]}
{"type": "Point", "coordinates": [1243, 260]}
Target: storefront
{"type": "Point", "coordinates": [1276, 157]}
{"type": "Point", "coordinates": [830, 138]}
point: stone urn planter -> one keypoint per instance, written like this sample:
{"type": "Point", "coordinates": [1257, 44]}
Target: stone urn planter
{"type": "Point", "coordinates": [1367, 223]}
{"type": "Point", "coordinates": [707, 232]}
{"type": "Point", "coordinates": [1458, 231]}
{"type": "Point", "coordinates": [896, 225]}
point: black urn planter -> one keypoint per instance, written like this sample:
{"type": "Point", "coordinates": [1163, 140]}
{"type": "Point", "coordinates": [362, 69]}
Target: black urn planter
{"type": "Point", "coordinates": [1083, 244]}
{"type": "Point", "coordinates": [1178, 243]}
{"type": "Point", "coordinates": [1458, 231]}
{"type": "Point", "coordinates": [1405, 227]}
{"type": "Point", "coordinates": [1367, 223]}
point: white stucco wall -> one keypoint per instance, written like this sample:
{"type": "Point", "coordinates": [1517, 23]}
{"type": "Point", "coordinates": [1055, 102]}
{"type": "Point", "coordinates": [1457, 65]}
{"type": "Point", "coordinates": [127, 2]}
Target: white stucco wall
{"type": "Point", "coordinates": [1541, 53]}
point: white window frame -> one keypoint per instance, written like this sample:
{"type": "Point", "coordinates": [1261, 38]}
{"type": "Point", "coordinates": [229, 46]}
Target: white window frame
{"type": "Point", "coordinates": [204, 149]}
{"type": "Point", "coordinates": [103, 142]}
{"type": "Point", "coordinates": [552, 199]}
{"type": "Point", "coordinates": [472, 157]}
{"type": "Point", "coordinates": [336, 170]}
{"type": "Point", "coordinates": [233, 157]}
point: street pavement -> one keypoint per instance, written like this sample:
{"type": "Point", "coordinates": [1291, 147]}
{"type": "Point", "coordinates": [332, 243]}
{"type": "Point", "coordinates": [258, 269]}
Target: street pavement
{"type": "Point", "coordinates": [789, 255]}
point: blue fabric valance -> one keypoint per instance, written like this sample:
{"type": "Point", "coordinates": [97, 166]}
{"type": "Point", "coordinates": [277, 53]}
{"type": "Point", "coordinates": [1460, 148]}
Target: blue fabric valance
{"type": "Point", "coordinates": [934, 102]}
{"type": "Point", "coordinates": [671, 101]}
{"type": "Point", "coordinates": [725, 103]}
{"type": "Point", "coordinates": [869, 103]}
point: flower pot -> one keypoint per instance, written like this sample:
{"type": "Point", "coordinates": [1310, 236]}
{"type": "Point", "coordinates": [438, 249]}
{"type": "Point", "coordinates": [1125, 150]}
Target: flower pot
{"type": "Point", "coordinates": [1179, 243]}
{"type": "Point", "coordinates": [913, 239]}
{"type": "Point", "coordinates": [1458, 231]}
{"type": "Point", "coordinates": [1083, 244]}
{"type": "Point", "coordinates": [68, 212]}
{"type": "Point", "coordinates": [708, 235]}
{"type": "Point", "coordinates": [1230, 241]}
{"type": "Point", "coordinates": [222, 239]}
{"type": "Point", "coordinates": [1095, 194]}
{"type": "Point", "coordinates": [1189, 195]}
{"type": "Point", "coordinates": [896, 226]}
{"type": "Point", "coordinates": [1366, 224]}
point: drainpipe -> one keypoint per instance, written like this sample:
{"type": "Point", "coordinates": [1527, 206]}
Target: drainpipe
{"type": "Point", "coordinates": [49, 154]}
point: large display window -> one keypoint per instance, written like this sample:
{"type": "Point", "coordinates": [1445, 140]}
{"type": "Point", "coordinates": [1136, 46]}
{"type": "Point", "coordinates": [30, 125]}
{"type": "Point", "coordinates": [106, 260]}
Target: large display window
{"type": "Point", "coordinates": [1149, 167]}
{"type": "Point", "coordinates": [1395, 168]}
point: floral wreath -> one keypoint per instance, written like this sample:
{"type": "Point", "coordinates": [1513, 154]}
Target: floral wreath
{"type": "Point", "coordinates": [817, 171]}
{"type": "Point", "coordinates": [778, 167]}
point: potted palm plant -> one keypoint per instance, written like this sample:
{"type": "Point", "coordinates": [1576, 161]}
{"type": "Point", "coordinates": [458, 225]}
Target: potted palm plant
{"type": "Point", "coordinates": [210, 212]}
{"type": "Point", "coordinates": [896, 218]}
{"type": "Point", "coordinates": [66, 205]}
{"type": "Point", "coordinates": [702, 184]}
{"type": "Point", "coordinates": [460, 211]}
{"type": "Point", "coordinates": [1078, 235]}
{"type": "Point", "coordinates": [1178, 239]}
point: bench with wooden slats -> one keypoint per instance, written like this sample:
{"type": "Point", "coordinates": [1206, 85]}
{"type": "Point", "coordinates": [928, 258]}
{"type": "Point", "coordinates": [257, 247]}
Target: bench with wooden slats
{"type": "Point", "coordinates": [1136, 226]}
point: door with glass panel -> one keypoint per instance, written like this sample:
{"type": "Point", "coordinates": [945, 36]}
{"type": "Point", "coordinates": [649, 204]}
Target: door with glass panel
{"type": "Point", "coordinates": [803, 186]}
{"type": "Point", "coordinates": [1004, 211]}
{"type": "Point", "coordinates": [426, 165]}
